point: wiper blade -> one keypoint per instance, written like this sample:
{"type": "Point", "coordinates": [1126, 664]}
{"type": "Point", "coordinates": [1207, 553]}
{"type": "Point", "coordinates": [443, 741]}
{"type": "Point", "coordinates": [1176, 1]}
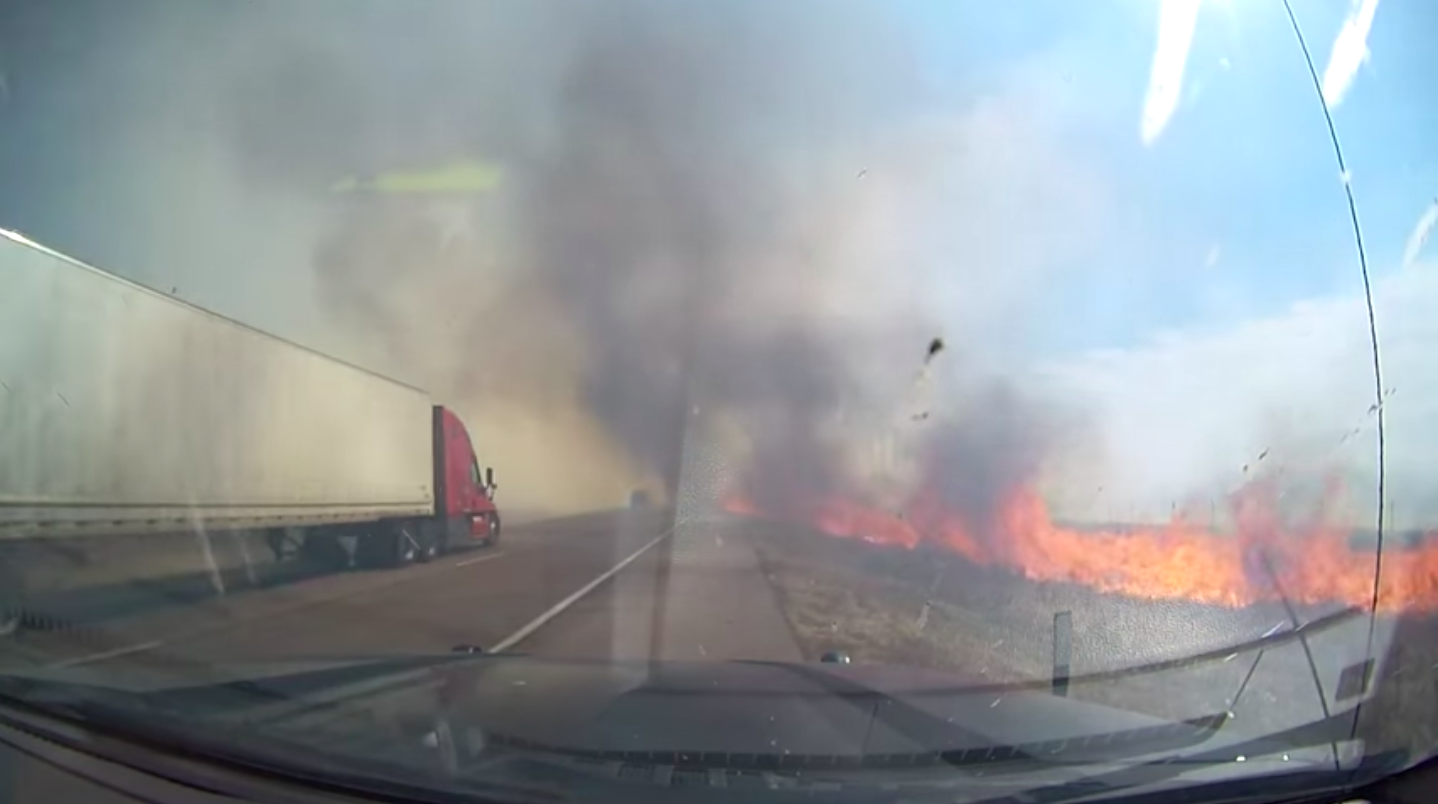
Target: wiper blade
{"type": "Point", "coordinates": [289, 693]}
{"type": "Point", "coordinates": [121, 728]}
{"type": "Point", "coordinates": [1134, 742]}
{"type": "Point", "coordinates": [62, 699]}
{"type": "Point", "coordinates": [260, 699]}
{"type": "Point", "coordinates": [1268, 787]}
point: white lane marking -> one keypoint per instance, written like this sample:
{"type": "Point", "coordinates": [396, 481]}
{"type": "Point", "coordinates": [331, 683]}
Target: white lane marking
{"type": "Point", "coordinates": [125, 650]}
{"type": "Point", "coordinates": [554, 611]}
{"type": "Point", "coordinates": [513, 639]}
{"type": "Point", "coordinates": [489, 557]}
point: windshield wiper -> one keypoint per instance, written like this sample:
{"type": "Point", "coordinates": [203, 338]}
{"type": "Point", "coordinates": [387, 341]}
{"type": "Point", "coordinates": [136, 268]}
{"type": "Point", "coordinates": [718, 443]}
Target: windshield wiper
{"type": "Point", "coordinates": [261, 697]}
{"type": "Point", "coordinates": [128, 729]}
{"type": "Point", "coordinates": [1270, 787]}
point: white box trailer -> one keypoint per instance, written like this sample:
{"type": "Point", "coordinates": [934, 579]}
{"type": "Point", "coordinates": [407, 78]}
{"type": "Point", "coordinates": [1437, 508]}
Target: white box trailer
{"type": "Point", "coordinates": [124, 409]}
{"type": "Point", "coordinates": [125, 412]}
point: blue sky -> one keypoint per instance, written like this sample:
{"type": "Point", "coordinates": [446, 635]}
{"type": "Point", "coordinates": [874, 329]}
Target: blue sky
{"type": "Point", "coordinates": [1236, 209]}
{"type": "Point", "coordinates": [1216, 312]}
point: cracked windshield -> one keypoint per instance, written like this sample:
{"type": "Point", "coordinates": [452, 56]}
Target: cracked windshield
{"type": "Point", "coordinates": [586, 399]}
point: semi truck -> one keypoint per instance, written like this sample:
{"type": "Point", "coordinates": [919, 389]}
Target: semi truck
{"type": "Point", "coordinates": [125, 411]}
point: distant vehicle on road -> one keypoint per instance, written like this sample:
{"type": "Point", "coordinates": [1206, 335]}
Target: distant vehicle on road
{"type": "Point", "coordinates": [126, 411]}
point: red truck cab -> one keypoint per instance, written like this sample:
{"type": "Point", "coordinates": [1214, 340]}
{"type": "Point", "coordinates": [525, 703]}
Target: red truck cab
{"type": "Point", "coordinates": [464, 494]}
{"type": "Point", "coordinates": [463, 513]}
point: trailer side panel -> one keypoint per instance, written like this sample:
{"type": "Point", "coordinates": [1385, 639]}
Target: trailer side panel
{"type": "Point", "coordinates": [124, 409]}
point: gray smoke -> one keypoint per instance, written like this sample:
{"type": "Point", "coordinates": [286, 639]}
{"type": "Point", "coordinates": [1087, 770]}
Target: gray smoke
{"type": "Point", "coordinates": [648, 180]}
{"type": "Point", "coordinates": [739, 207]}
{"type": "Point", "coordinates": [996, 440]}
{"type": "Point", "coordinates": [662, 188]}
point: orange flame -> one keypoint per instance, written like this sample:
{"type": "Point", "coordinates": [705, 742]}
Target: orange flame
{"type": "Point", "coordinates": [1263, 559]}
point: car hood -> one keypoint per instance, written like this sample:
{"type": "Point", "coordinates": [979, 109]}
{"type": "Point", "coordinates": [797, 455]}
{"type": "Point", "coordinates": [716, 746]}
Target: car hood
{"type": "Point", "coordinates": [768, 714]}
{"type": "Point", "coordinates": [749, 711]}
{"type": "Point", "coordinates": [542, 721]}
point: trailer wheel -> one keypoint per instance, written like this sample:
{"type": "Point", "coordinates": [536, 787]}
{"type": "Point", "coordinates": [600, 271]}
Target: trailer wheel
{"type": "Point", "coordinates": [275, 540]}
{"type": "Point", "coordinates": [428, 548]}
{"type": "Point", "coordinates": [324, 551]}
{"type": "Point", "coordinates": [386, 548]}
{"type": "Point", "coordinates": [12, 602]}
{"type": "Point", "coordinates": [406, 548]}
{"type": "Point", "coordinates": [12, 614]}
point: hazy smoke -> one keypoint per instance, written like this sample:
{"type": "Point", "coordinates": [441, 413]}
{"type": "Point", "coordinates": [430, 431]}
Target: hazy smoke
{"type": "Point", "coordinates": [996, 442]}
{"type": "Point", "coordinates": [739, 210]}
{"type": "Point", "coordinates": [648, 203]}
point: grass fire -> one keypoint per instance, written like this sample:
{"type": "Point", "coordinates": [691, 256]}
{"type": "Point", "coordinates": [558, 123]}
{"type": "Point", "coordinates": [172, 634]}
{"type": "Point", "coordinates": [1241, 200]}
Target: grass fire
{"type": "Point", "coordinates": [1258, 557]}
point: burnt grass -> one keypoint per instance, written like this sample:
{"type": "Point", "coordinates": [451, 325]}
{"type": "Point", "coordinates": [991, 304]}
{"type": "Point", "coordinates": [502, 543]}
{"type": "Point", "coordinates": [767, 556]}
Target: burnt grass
{"type": "Point", "coordinates": [929, 608]}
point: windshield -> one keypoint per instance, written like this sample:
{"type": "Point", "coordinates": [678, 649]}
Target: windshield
{"type": "Point", "coordinates": [1054, 369]}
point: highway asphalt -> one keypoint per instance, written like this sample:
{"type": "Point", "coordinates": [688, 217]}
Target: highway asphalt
{"type": "Point", "coordinates": [630, 584]}
{"type": "Point", "coordinates": [620, 584]}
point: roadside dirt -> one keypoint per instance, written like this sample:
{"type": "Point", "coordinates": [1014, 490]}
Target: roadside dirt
{"type": "Point", "coordinates": [907, 608]}
{"type": "Point", "coordinates": [880, 619]}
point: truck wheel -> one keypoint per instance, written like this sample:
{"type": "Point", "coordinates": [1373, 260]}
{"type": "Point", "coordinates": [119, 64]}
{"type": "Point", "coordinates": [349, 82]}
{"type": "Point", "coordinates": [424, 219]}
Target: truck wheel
{"type": "Point", "coordinates": [493, 537]}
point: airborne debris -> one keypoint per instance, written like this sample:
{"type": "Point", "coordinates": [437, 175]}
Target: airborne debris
{"type": "Point", "coordinates": [1263, 454]}
{"type": "Point", "coordinates": [935, 346]}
